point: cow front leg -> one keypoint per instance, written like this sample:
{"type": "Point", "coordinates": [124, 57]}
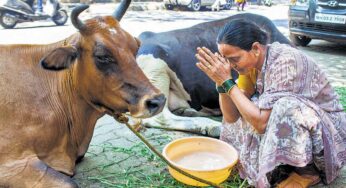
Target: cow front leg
{"type": "Point", "coordinates": [189, 112]}
{"type": "Point", "coordinates": [32, 172]}
{"type": "Point", "coordinates": [198, 125]}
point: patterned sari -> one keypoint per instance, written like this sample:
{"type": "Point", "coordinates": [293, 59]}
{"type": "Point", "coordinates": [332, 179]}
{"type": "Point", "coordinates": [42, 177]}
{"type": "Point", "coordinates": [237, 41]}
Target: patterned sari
{"type": "Point", "coordinates": [307, 123]}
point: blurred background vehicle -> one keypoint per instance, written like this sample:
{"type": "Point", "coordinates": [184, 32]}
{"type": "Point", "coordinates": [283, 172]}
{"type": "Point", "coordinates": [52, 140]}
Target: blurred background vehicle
{"type": "Point", "coordinates": [197, 5]}
{"type": "Point", "coordinates": [317, 19]}
{"type": "Point", "coordinates": [268, 3]}
{"type": "Point", "coordinates": [17, 11]}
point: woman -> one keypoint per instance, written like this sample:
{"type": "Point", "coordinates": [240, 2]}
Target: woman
{"type": "Point", "coordinates": [286, 118]}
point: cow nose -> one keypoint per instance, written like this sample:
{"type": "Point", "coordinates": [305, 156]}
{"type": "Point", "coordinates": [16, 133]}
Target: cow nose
{"type": "Point", "coordinates": [155, 105]}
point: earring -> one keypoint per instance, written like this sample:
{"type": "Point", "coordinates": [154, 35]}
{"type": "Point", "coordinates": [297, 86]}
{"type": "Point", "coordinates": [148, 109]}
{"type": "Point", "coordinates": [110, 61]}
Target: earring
{"type": "Point", "coordinates": [256, 54]}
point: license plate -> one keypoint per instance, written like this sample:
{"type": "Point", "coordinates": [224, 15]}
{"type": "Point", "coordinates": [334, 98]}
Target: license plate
{"type": "Point", "coordinates": [330, 18]}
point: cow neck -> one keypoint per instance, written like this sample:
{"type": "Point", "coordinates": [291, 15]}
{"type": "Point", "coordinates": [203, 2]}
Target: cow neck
{"type": "Point", "coordinates": [81, 116]}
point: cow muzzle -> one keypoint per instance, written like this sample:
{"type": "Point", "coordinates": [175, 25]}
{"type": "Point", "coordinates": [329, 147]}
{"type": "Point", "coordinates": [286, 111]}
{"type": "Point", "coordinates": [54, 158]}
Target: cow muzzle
{"type": "Point", "coordinates": [155, 105]}
{"type": "Point", "coordinates": [149, 106]}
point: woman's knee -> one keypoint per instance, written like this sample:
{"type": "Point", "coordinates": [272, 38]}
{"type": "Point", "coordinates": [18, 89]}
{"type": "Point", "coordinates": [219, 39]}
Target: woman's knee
{"type": "Point", "coordinates": [294, 111]}
{"type": "Point", "coordinates": [284, 101]}
{"type": "Point", "coordinates": [285, 105]}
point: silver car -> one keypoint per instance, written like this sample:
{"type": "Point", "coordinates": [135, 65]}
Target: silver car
{"type": "Point", "coordinates": [197, 5]}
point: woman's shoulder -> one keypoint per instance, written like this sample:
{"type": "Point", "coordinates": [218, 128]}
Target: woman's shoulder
{"type": "Point", "coordinates": [284, 53]}
{"type": "Point", "coordinates": [276, 49]}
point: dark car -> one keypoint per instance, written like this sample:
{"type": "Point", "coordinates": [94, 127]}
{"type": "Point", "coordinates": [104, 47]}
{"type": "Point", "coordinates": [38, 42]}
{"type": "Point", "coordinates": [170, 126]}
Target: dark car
{"type": "Point", "coordinates": [317, 19]}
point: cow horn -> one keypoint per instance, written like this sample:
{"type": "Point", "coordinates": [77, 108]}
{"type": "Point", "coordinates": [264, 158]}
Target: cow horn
{"type": "Point", "coordinates": [76, 22]}
{"type": "Point", "coordinates": [120, 11]}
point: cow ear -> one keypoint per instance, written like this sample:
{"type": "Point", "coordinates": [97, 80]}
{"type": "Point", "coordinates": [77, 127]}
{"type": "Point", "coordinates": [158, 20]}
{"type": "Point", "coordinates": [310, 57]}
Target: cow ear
{"type": "Point", "coordinates": [59, 58]}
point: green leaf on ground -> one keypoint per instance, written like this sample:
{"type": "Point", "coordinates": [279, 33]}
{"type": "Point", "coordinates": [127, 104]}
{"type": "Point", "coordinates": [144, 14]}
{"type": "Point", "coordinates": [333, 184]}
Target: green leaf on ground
{"type": "Point", "coordinates": [342, 96]}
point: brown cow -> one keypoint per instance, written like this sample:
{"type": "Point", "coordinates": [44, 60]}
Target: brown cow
{"type": "Point", "coordinates": [47, 117]}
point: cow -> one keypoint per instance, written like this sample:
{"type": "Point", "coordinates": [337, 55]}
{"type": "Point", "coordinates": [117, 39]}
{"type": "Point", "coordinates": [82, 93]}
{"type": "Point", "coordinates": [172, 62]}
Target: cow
{"type": "Point", "coordinates": [168, 59]}
{"type": "Point", "coordinates": [47, 117]}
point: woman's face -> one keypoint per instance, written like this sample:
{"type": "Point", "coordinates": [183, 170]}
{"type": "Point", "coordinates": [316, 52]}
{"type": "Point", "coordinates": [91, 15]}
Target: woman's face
{"type": "Point", "coordinates": [241, 60]}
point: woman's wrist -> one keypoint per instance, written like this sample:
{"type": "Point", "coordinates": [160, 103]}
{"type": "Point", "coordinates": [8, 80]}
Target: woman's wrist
{"type": "Point", "coordinates": [220, 89]}
{"type": "Point", "coordinates": [226, 86]}
{"type": "Point", "coordinates": [229, 92]}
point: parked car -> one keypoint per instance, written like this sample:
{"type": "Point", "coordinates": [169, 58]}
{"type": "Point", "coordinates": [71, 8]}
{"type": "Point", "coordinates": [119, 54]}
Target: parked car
{"type": "Point", "coordinates": [317, 19]}
{"type": "Point", "coordinates": [197, 5]}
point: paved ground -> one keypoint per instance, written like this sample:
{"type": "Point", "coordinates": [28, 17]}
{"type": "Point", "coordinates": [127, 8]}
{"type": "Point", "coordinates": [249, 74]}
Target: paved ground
{"type": "Point", "coordinates": [114, 152]}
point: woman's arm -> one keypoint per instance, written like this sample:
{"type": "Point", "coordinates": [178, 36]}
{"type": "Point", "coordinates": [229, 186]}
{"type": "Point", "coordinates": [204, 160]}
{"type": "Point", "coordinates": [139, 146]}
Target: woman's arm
{"type": "Point", "coordinates": [258, 118]}
{"type": "Point", "coordinates": [229, 110]}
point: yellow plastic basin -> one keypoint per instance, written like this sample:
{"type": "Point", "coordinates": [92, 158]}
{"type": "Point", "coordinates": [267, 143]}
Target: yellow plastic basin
{"type": "Point", "coordinates": [207, 158]}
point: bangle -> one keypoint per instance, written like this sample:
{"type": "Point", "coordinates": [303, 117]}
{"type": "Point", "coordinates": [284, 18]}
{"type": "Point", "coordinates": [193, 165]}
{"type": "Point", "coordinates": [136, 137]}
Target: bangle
{"type": "Point", "coordinates": [220, 89]}
{"type": "Point", "coordinates": [228, 85]}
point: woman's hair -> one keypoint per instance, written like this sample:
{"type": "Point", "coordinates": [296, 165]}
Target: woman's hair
{"type": "Point", "coordinates": [242, 34]}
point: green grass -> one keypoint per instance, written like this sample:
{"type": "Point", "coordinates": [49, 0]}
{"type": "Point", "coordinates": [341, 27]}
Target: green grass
{"type": "Point", "coordinates": [342, 94]}
{"type": "Point", "coordinates": [151, 173]}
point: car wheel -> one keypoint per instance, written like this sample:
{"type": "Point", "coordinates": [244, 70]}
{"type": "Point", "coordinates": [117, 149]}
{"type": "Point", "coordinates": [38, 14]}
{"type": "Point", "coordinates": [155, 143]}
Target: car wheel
{"type": "Point", "coordinates": [169, 6]}
{"type": "Point", "coordinates": [299, 40]}
{"type": "Point", "coordinates": [60, 17]}
{"type": "Point", "coordinates": [7, 21]}
{"type": "Point", "coordinates": [229, 4]}
{"type": "Point", "coordinates": [196, 5]}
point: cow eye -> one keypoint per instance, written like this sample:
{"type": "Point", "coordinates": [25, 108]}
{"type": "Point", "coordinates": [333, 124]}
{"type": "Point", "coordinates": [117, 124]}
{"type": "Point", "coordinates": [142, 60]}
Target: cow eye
{"type": "Point", "coordinates": [104, 59]}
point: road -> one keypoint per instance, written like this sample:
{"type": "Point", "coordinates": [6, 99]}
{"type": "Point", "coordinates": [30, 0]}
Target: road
{"type": "Point", "coordinates": [330, 57]}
